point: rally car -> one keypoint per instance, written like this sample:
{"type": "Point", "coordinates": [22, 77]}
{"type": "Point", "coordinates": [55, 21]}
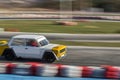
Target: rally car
{"type": "Point", "coordinates": [32, 46]}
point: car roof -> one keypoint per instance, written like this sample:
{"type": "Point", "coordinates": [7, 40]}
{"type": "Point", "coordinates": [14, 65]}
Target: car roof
{"type": "Point", "coordinates": [29, 36]}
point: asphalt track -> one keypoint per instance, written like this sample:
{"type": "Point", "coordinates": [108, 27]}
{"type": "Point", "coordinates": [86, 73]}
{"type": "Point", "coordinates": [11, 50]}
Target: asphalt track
{"type": "Point", "coordinates": [92, 56]}
{"type": "Point", "coordinates": [62, 36]}
{"type": "Point", "coordinates": [88, 56]}
{"type": "Point", "coordinates": [82, 55]}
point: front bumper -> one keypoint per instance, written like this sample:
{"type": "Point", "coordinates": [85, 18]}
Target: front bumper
{"type": "Point", "coordinates": [60, 51]}
{"type": "Point", "coordinates": [62, 57]}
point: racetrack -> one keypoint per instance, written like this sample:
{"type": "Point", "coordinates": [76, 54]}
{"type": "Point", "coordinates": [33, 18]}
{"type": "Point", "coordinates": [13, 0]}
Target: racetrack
{"type": "Point", "coordinates": [89, 56]}
{"type": "Point", "coordinates": [62, 36]}
{"type": "Point", "coordinates": [92, 56]}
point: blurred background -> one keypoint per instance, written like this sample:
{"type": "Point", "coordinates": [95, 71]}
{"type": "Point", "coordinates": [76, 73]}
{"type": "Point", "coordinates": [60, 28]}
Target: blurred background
{"type": "Point", "coordinates": [77, 5]}
{"type": "Point", "coordinates": [55, 9]}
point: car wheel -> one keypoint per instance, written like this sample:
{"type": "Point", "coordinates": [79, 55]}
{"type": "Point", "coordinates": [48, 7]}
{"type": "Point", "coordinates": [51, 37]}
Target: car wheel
{"type": "Point", "coordinates": [10, 55]}
{"type": "Point", "coordinates": [48, 58]}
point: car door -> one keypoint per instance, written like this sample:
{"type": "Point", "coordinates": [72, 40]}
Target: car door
{"type": "Point", "coordinates": [32, 51]}
{"type": "Point", "coordinates": [18, 45]}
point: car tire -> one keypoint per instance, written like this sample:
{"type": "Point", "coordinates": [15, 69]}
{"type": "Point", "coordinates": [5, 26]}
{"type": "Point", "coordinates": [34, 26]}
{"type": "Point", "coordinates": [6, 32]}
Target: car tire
{"type": "Point", "coordinates": [9, 55]}
{"type": "Point", "coordinates": [48, 57]}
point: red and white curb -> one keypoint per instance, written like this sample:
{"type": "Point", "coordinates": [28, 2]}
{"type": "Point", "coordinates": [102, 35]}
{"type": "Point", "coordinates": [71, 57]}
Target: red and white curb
{"type": "Point", "coordinates": [59, 70]}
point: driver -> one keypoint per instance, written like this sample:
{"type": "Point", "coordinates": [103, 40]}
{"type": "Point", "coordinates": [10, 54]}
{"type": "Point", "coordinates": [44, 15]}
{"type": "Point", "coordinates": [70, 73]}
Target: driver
{"type": "Point", "coordinates": [34, 43]}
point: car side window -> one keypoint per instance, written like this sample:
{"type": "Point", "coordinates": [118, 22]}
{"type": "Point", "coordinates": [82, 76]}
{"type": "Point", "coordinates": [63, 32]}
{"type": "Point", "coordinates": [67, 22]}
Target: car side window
{"type": "Point", "coordinates": [31, 42]}
{"type": "Point", "coordinates": [18, 42]}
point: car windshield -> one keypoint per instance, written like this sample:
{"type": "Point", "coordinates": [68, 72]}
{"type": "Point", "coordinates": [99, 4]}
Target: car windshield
{"type": "Point", "coordinates": [44, 42]}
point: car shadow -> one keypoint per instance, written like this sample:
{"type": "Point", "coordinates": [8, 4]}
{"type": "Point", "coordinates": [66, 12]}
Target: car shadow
{"type": "Point", "coordinates": [20, 60]}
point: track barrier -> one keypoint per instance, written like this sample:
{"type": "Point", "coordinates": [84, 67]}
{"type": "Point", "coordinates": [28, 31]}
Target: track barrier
{"type": "Point", "coordinates": [59, 70]}
{"type": "Point", "coordinates": [70, 71]}
{"type": "Point", "coordinates": [112, 72]}
{"type": "Point", "coordinates": [46, 70]}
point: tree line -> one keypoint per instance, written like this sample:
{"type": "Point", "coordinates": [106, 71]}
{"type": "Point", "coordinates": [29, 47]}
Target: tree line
{"type": "Point", "coordinates": [106, 5]}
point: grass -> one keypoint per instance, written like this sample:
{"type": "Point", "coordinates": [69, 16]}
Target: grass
{"type": "Point", "coordinates": [100, 44]}
{"type": "Point", "coordinates": [51, 27]}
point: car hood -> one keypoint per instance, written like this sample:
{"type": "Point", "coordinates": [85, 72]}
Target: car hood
{"type": "Point", "coordinates": [50, 46]}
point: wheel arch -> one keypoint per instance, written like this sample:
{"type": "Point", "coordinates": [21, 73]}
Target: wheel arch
{"type": "Point", "coordinates": [7, 50]}
{"type": "Point", "coordinates": [50, 52]}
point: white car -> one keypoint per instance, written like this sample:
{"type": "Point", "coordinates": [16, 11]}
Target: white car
{"type": "Point", "coordinates": [32, 46]}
